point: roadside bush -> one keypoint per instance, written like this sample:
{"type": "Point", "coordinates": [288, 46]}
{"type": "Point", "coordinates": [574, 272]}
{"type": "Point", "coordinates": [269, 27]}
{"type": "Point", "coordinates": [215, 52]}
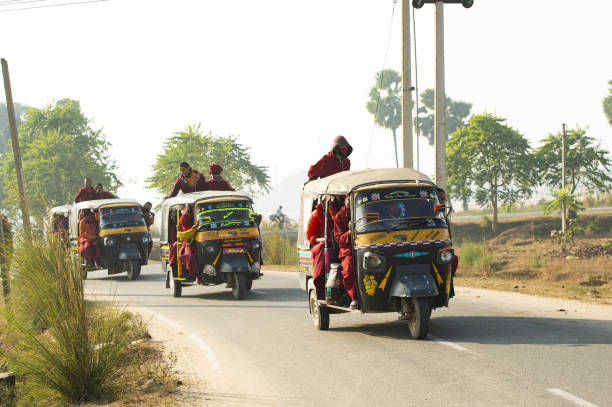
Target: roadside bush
{"type": "Point", "coordinates": [478, 258]}
{"type": "Point", "coordinates": [591, 228]}
{"type": "Point", "coordinates": [279, 248]}
{"type": "Point", "coordinates": [66, 349]}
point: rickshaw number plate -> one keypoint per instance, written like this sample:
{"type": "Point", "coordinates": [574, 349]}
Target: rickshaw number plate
{"type": "Point", "coordinates": [233, 250]}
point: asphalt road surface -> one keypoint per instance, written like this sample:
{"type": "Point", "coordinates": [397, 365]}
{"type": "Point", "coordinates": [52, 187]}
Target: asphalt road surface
{"type": "Point", "coordinates": [488, 349]}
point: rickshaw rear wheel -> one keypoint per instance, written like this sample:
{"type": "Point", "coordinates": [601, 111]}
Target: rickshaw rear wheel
{"type": "Point", "coordinates": [177, 287]}
{"type": "Point", "coordinates": [239, 288]}
{"type": "Point", "coordinates": [419, 319]}
{"type": "Point", "coordinates": [133, 270]}
{"type": "Point", "coordinates": [320, 315]}
{"type": "Point", "coordinates": [249, 285]}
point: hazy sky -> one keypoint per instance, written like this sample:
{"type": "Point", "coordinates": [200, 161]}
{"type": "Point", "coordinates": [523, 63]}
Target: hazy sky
{"type": "Point", "coordinates": [288, 76]}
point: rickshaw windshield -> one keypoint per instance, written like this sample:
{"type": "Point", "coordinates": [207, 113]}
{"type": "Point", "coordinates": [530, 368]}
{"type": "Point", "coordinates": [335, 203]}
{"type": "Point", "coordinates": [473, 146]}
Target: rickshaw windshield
{"type": "Point", "coordinates": [397, 209]}
{"type": "Point", "coordinates": [223, 215]}
{"type": "Point", "coordinates": [121, 216]}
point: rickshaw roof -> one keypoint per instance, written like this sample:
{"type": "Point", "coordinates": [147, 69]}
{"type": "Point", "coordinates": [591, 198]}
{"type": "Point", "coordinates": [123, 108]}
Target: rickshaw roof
{"type": "Point", "coordinates": [65, 209]}
{"type": "Point", "coordinates": [96, 203]}
{"type": "Point", "coordinates": [194, 197]}
{"type": "Point", "coordinates": [344, 182]}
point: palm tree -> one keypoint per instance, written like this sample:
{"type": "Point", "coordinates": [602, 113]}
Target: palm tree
{"type": "Point", "coordinates": [386, 102]}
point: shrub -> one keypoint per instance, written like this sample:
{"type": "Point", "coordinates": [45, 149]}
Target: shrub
{"type": "Point", "coordinates": [279, 248]}
{"type": "Point", "coordinates": [591, 228]}
{"type": "Point", "coordinates": [478, 258]}
{"type": "Point", "coordinates": [68, 349]}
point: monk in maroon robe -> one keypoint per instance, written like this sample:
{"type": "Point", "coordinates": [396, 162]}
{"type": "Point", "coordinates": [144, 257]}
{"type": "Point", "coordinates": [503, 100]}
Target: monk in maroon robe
{"type": "Point", "coordinates": [87, 193]}
{"type": "Point", "coordinates": [217, 183]}
{"type": "Point", "coordinates": [342, 233]}
{"type": "Point", "coordinates": [190, 180]}
{"type": "Point", "coordinates": [333, 162]}
{"type": "Point", "coordinates": [89, 246]}
{"type": "Point", "coordinates": [101, 193]}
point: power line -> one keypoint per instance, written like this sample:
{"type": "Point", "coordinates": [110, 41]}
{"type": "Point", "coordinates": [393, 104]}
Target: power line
{"type": "Point", "coordinates": [381, 81]}
{"type": "Point", "coordinates": [53, 5]}
{"type": "Point", "coordinates": [20, 2]}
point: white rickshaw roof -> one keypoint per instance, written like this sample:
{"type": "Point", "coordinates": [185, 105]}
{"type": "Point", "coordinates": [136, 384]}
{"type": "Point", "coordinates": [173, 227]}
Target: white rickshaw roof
{"type": "Point", "coordinates": [96, 203]}
{"type": "Point", "coordinates": [62, 209]}
{"type": "Point", "coordinates": [194, 197]}
{"type": "Point", "coordinates": [344, 182]}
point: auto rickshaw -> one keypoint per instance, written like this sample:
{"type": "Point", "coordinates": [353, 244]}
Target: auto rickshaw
{"type": "Point", "coordinates": [58, 221]}
{"type": "Point", "coordinates": [225, 237]}
{"type": "Point", "coordinates": [403, 258]}
{"type": "Point", "coordinates": [123, 235]}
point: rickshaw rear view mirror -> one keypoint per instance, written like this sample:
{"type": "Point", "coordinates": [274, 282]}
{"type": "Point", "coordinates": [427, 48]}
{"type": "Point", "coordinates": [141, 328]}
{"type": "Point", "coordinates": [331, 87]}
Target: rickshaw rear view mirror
{"type": "Point", "coordinates": [440, 208]}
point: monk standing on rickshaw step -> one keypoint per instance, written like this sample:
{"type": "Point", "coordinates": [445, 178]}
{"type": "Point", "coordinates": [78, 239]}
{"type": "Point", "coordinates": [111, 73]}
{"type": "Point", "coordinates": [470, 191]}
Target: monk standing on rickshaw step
{"type": "Point", "coordinates": [89, 247]}
{"type": "Point", "coordinates": [186, 253]}
{"type": "Point", "coordinates": [343, 227]}
{"type": "Point", "coordinates": [190, 180]}
{"type": "Point", "coordinates": [315, 232]}
{"type": "Point", "coordinates": [333, 162]}
{"type": "Point", "coordinates": [217, 183]}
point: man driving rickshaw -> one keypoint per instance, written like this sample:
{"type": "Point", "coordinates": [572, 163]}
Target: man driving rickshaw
{"type": "Point", "coordinates": [395, 236]}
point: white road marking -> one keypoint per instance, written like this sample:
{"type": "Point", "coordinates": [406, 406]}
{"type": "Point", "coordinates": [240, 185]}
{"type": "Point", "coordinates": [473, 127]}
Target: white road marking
{"type": "Point", "coordinates": [214, 363]}
{"type": "Point", "coordinates": [574, 399]}
{"type": "Point", "coordinates": [449, 344]}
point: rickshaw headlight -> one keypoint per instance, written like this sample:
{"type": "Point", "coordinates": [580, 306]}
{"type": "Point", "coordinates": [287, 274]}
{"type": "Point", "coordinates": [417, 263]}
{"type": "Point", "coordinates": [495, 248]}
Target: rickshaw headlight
{"type": "Point", "coordinates": [145, 239]}
{"type": "Point", "coordinates": [371, 261]}
{"type": "Point", "coordinates": [210, 249]}
{"type": "Point", "coordinates": [109, 241]}
{"type": "Point", "coordinates": [445, 256]}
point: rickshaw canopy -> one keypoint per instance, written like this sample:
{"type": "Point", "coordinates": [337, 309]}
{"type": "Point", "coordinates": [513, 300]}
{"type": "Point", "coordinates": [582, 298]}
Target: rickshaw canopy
{"type": "Point", "coordinates": [345, 182]}
{"type": "Point", "coordinates": [93, 204]}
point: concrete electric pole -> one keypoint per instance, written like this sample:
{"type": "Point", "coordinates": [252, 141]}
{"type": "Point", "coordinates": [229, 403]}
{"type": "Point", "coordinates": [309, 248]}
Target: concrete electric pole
{"type": "Point", "coordinates": [407, 142]}
{"type": "Point", "coordinates": [440, 94]}
{"type": "Point", "coordinates": [563, 208]}
{"type": "Point", "coordinates": [15, 142]}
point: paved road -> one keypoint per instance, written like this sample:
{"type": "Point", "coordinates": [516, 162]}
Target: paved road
{"type": "Point", "coordinates": [488, 349]}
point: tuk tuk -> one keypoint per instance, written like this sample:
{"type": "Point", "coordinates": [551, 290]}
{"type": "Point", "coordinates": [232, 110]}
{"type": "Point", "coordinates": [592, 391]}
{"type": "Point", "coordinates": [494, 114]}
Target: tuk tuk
{"type": "Point", "coordinates": [123, 235]}
{"type": "Point", "coordinates": [58, 221]}
{"type": "Point", "coordinates": [403, 258]}
{"type": "Point", "coordinates": [226, 240]}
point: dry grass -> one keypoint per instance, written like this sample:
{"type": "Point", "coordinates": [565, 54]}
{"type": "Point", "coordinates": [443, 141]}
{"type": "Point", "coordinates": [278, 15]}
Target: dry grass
{"type": "Point", "coordinates": [540, 267]}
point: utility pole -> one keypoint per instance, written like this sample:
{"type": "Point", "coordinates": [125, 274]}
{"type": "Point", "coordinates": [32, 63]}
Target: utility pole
{"type": "Point", "coordinates": [15, 142]}
{"type": "Point", "coordinates": [406, 88]}
{"type": "Point", "coordinates": [563, 208]}
{"type": "Point", "coordinates": [440, 100]}
{"type": "Point", "coordinates": [440, 94]}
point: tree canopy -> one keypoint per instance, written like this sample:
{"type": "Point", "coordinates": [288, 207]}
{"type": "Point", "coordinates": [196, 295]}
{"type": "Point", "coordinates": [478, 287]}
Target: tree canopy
{"type": "Point", "coordinates": [5, 136]}
{"type": "Point", "coordinates": [385, 102]}
{"type": "Point", "coordinates": [456, 114]}
{"type": "Point", "coordinates": [607, 104]}
{"type": "Point", "coordinates": [587, 164]}
{"type": "Point", "coordinates": [494, 158]}
{"type": "Point", "coordinates": [201, 150]}
{"type": "Point", "coordinates": [59, 149]}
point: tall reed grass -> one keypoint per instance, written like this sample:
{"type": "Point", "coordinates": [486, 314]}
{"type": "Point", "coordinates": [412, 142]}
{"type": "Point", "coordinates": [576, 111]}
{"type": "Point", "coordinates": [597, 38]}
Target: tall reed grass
{"type": "Point", "coordinates": [66, 349]}
{"type": "Point", "coordinates": [279, 248]}
{"type": "Point", "coordinates": [478, 258]}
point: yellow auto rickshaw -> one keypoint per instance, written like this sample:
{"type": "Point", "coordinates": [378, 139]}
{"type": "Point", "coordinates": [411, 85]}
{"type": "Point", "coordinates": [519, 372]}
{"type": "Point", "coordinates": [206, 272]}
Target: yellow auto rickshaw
{"type": "Point", "coordinates": [225, 236]}
{"type": "Point", "coordinates": [123, 236]}
{"type": "Point", "coordinates": [403, 259]}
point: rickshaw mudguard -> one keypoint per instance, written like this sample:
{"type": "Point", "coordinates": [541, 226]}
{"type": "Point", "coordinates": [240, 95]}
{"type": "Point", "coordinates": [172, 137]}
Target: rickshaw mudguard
{"type": "Point", "coordinates": [235, 263]}
{"type": "Point", "coordinates": [413, 280]}
{"type": "Point", "coordinates": [129, 252]}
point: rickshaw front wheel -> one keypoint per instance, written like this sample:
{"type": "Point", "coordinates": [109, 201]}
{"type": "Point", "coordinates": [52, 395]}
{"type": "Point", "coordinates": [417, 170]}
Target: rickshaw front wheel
{"type": "Point", "coordinates": [320, 315]}
{"type": "Point", "coordinates": [133, 270]}
{"type": "Point", "coordinates": [249, 285]}
{"type": "Point", "coordinates": [239, 288]}
{"type": "Point", "coordinates": [418, 323]}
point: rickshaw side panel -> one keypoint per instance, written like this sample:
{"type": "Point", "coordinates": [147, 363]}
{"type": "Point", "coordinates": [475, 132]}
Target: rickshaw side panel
{"type": "Point", "coordinates": [304, 267]}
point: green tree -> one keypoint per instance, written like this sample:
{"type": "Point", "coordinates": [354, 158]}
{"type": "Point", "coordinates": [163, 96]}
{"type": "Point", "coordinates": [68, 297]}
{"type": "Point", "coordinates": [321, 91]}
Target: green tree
{"type": "Point", "coordinates": [59, 149]}
{"type": "Point", "coordinates": [200, 150]}
{"type": "Point", "coordinates": [607, 104]}
{"type": "Point", "coordinates": [5, 135]}
{"type": "Point", "coordinates": [458, 169]}
{"type": "Point", "coordinates": [456, 114]}
{"type": "Point", "coordinates": [386, 103]}
{"type": "Point", "coordinates": [495, 158]}
{"type": "Point", "coordinates": [587, 164]}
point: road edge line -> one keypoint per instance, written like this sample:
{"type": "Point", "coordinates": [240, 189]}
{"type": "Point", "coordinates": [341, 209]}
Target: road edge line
{"type": "Point", "coordinates": [570, 397]}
